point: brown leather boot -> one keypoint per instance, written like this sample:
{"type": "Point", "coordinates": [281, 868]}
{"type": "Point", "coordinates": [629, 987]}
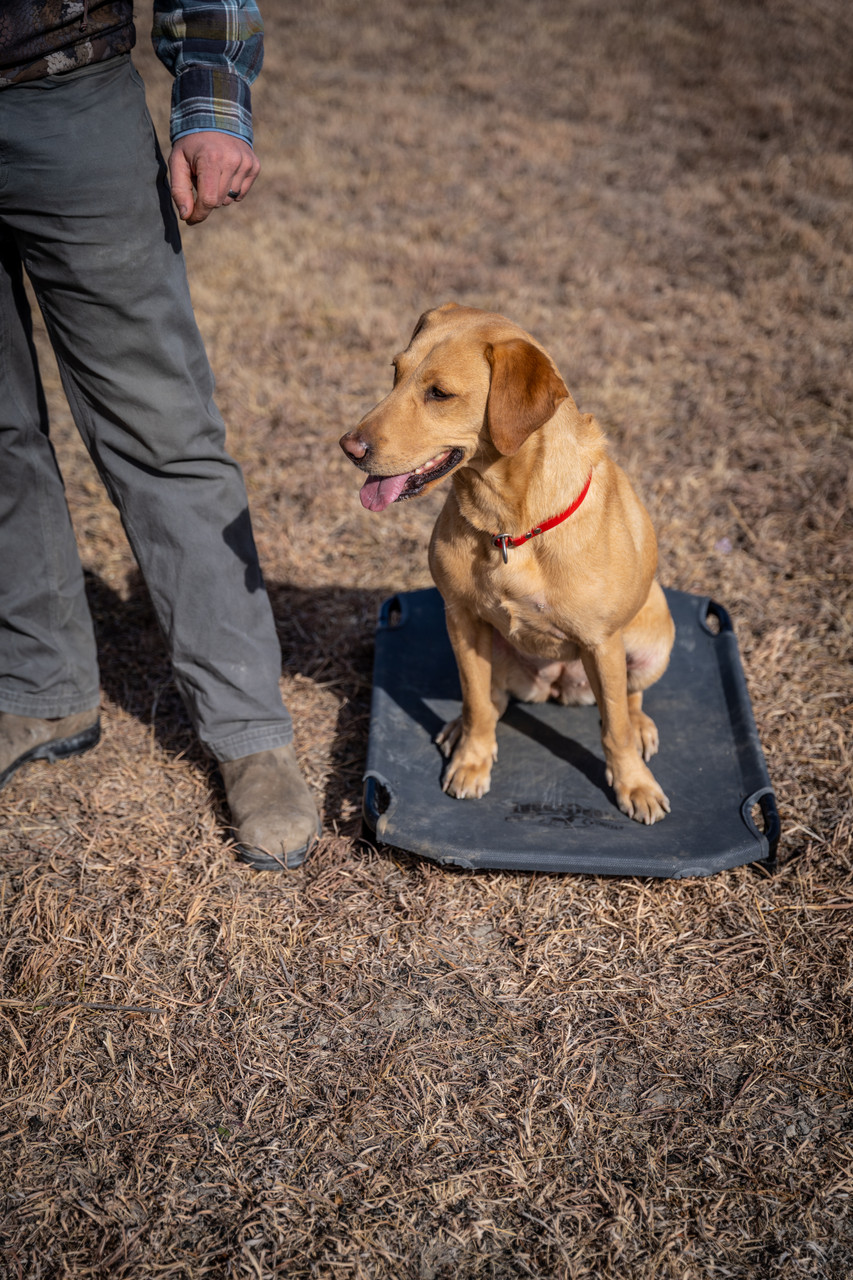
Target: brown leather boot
{"type": "Point", "coordinates": [25, 738]}
{"type": "Point", "coordinates": [272, 811]}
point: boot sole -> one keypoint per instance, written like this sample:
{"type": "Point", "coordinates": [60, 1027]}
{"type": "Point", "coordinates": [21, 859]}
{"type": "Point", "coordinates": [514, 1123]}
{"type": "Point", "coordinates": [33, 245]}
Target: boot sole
{"type": "Point", "coordinates": [58, 749]}
{"type": "Point", "coordinates": [266, 862]}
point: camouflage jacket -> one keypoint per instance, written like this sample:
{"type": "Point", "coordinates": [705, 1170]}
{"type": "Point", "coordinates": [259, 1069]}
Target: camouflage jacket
{"type": "Point", "coordinates": [47, 37]}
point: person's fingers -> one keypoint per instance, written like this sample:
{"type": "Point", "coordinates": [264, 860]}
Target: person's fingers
{"type": "Point", "coordinates": [211, 186]}
{"type": "Point", "coordinates": [180, 178]}
{"type": "Point", "coordinates": [243, 177]}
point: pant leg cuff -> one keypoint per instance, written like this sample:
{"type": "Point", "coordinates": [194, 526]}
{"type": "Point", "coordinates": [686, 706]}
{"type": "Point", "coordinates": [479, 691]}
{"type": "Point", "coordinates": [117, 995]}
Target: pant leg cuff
{"type": "Point", "coordinates": [250, 742]}
{"type": "Point", "coordinates": [44, 707]}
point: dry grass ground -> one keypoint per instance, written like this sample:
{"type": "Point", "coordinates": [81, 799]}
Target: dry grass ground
{"type": "Point", "coordinates": [375, 1068]}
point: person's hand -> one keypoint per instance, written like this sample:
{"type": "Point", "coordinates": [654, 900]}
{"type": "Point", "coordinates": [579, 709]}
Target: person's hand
{"type": "Point", "coordinates": [208, 170]}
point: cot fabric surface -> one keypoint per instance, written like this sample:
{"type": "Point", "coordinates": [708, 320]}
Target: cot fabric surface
{"type": "Point", "coordinates": [550, 808]}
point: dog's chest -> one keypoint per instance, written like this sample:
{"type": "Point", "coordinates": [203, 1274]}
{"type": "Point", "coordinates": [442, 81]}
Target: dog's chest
{"type": "Point", "coordinates": [531, 623]}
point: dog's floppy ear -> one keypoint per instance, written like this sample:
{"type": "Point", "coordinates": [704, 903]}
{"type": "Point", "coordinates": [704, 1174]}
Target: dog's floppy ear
{"type": "Point", "coordinates": [525, 392]}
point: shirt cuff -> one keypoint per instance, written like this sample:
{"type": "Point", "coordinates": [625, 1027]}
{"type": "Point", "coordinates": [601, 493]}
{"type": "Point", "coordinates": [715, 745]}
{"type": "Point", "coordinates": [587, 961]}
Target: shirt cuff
{"type": "Point", "coordinates": [211, 98]}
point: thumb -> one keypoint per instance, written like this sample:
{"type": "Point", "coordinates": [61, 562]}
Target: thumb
{"type": "Point", "coordinates": [180, 178]}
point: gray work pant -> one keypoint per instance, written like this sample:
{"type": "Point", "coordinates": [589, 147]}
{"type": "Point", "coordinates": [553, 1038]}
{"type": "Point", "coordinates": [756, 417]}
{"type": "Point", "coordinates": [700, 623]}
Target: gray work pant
{"type": "Point", "coordinates": [84, 206]}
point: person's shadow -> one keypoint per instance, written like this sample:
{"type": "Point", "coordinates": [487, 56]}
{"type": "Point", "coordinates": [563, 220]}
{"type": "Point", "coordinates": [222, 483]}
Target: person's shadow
{"type": "Point", "coordinates": [326, 634]}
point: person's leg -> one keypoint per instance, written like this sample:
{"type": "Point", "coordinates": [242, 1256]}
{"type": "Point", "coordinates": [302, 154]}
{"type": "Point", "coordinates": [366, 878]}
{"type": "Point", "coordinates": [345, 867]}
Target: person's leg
{"type": "Point", "coordinates": [103, 253]}
{"type": "Point", "coordinates": [102, 250]}
{"type": "Point", "coordinates": [48, 664]}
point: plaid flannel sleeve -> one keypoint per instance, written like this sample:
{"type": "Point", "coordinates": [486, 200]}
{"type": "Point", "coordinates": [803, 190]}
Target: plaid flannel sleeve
{"type": "Point", "coordinates": [214, 49]}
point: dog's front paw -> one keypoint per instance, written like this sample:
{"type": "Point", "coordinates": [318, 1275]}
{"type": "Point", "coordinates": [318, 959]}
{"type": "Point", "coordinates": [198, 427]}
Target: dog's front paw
{"type": "Point", "coordinates": [469, 773]}
{"type": "Point", "coordinates": [639, 796]}
{"type": "Point", "coordinates": [467, 781]}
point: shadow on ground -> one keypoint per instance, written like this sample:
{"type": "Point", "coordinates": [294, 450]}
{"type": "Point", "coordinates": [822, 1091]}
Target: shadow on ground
{"type": "Point", "coordinates": [326, 635]}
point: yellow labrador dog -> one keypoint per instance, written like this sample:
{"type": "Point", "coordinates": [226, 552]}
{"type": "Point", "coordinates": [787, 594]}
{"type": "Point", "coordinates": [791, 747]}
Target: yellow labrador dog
{"type": "Point", "coordinates": [543, 553]}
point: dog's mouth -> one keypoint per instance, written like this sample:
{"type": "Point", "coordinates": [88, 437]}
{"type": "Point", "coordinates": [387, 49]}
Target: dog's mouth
{"type": "Point", "coordinates": [378, 492]}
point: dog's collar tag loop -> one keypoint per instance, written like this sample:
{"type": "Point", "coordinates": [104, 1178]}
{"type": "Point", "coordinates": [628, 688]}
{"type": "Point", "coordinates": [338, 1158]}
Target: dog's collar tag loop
{"type": "Point", "coordinates": [501, 540]}
{"type": "Point", "coordinates": [504, 540]}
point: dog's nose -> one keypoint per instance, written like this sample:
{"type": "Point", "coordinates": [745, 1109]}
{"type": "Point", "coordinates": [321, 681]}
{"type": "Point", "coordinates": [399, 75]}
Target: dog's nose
{"type": "Point", "coordinates": [353, 446]}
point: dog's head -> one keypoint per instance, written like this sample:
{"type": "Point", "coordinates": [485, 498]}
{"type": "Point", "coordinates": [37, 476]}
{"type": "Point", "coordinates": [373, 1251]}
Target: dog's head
{"type": "Point", "coordinates": [470, 385]}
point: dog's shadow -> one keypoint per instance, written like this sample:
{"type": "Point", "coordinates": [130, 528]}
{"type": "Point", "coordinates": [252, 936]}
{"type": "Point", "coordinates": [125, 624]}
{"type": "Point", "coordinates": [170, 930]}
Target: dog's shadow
{"type": "Point", "coordinates": [558, 744]}
{"type": "Point", "coordinates": [525, 721]}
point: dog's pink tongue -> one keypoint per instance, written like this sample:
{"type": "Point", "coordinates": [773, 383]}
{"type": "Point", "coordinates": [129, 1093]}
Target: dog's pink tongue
{"type": "Point", "coordinates": [378, 492]}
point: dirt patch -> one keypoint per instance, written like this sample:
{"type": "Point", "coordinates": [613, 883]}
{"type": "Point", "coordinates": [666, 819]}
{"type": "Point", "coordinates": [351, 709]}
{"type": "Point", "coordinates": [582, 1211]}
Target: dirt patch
{"type": "Point", "coordinates": [373, 1067]}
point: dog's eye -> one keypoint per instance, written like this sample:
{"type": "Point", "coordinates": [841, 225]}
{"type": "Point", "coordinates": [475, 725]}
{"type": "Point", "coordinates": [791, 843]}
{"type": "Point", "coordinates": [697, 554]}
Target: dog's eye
{"type": "Point", "coordinates": [436, 393]}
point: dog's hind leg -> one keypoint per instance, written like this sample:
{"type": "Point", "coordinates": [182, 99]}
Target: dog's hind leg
{"type": "Point", "coordinates": [648, 643]}
{"type": "Point", "coordinates": [645, 730]}
{"type": "Point", "coordinates": [449, 735]}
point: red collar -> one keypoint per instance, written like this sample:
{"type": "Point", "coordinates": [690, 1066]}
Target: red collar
{"type": "Point", "coordinates": [503, 540]}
